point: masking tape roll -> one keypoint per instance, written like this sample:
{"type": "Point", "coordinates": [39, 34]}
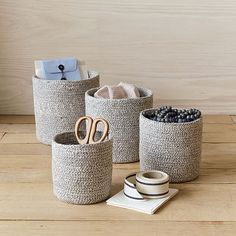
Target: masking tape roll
{"type": "Point", "coordinates": [152, 184]}
{"type": "Point", "coordinates": [130, 190]}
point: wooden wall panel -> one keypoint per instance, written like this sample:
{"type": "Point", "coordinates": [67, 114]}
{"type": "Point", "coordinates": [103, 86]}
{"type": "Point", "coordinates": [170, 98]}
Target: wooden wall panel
{"type": "Point", "coordinates": [184, 50]}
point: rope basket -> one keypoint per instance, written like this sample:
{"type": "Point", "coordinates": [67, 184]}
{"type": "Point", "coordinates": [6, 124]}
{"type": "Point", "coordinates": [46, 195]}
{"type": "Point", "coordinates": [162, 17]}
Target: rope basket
{"type": "Point", "coordinates": [58, 104]}
{"type": "Point", "coordinates": [174, 148]}
{"type": "Point", "coordinates": [123, 117]}
{"type": "Point", "coordinates": [81, 174]}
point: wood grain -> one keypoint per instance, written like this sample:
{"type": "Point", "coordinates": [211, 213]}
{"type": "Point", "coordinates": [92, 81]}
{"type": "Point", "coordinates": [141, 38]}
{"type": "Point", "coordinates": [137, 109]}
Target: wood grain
{"type": "Point", "coordinates": [17, 128]}
{"type": "Point", "coordinates": [217, 137]}
{"type": "Point", "coordinates": [10, 119]}
{"type": "Point", "coordinates": [233, 118]}
{"type": "Point", "coordinates": [218, 119]}
{"type": "Point", "coordinates": [221, 133]}
{"type": "Point", "coordinates": [184, 50]}
{"type": "Point", "coordinates": [1, 136]}
{"type": "Point", "coordinates": [124, 228]}
{"type": "Point", "coordinates": [19, 138]}
{"type": "Point", "coordinates": [205, 206]}
{"type": "Point", "coordinates": [194, 202]}
{"type": "Point", "coordinates": [24, 149]}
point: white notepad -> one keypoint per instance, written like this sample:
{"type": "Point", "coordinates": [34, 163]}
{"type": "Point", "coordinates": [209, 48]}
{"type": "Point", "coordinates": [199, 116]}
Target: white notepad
{"type": "Point", "coordinates": [148, 206]}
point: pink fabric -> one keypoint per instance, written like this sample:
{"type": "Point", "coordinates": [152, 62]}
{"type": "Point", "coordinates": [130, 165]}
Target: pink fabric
{"type": "Point", "coordinates": [122, 90]}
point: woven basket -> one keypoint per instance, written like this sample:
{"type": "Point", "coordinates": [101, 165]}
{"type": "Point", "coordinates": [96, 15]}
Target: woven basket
{"type": "Point", "coordinates": [81, 174]}
{"type": "Point", "coordinates": [123, 117]}
{"type": "Point", "coordinates": [174, 148]}
{"type": "Point", "coordinates": [58, 104]}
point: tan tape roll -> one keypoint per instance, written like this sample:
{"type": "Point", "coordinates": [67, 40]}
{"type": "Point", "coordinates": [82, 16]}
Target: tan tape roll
{"type": "Point", "coordinates": [152, 184]}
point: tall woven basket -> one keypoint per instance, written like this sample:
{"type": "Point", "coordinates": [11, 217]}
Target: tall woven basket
{"type": "Point", "coordinates": [81, 174]}
{"type": "Point", "coordinates": [174, 148]}
{"type": "Point", "coordinates": [58, 104]}
{"type": "Point", "coordinates": [123, 117]}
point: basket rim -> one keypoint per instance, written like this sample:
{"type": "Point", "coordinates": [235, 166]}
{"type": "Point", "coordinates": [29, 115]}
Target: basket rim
{"type": "Point", "coordinates": [94, 75]}
{"type": "Point", "coordinates": [54, 141]}
{"type": "Point", "coordinates": [93, 90]}
{"type": "Point", "coordinates": [166, 124]}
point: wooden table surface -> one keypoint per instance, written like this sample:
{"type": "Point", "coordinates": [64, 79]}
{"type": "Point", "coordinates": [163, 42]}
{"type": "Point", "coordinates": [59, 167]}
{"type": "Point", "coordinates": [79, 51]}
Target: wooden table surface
{"type": "Point", "coordinates": [206, 206]}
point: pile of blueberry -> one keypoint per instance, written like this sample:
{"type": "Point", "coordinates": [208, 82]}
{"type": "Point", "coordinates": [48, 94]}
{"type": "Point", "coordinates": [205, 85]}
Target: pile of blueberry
{"type": "Point", "coordinates": [167, 114]}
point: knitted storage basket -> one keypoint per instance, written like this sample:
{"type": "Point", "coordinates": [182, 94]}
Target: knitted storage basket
{"type": "Point", "coordinates": [81, 174]}
{"type": "Point", "coordinates": [174, 148]}
{"type": "Point", "coordinates": [123, 117]}
{"type": "Point", "coordinates": [58, 104]}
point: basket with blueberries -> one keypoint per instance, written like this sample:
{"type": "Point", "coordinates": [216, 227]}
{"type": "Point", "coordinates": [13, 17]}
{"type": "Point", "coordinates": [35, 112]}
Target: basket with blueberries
{"type": "Point", "coordinates": [170, 141]}
{"type": "Point", "coordinates": [167, 114]}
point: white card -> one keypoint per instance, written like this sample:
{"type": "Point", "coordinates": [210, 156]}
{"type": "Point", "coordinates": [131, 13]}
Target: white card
{"type": "Point", "coordinates": [148, 206]}
{"type": "Point", "coordinates": [72, 69]}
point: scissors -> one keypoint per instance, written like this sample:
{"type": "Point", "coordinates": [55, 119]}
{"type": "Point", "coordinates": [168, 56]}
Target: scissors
{"type": "Point", "coordinates": [91, 130]}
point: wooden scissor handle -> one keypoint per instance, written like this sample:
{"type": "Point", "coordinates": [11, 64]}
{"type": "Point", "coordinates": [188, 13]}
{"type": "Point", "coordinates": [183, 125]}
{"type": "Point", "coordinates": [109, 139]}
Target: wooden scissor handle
{"type": "Point", "coordinates": [94, 130]}
{"type": "Point", "coordinates": [91, 130]}
{"type": "Point", "coordinates": [88, 129]}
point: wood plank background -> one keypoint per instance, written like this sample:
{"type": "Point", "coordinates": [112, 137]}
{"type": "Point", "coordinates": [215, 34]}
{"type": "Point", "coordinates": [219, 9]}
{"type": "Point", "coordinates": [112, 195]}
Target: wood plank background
{"type": "Point", "coordinates": [184, 50]}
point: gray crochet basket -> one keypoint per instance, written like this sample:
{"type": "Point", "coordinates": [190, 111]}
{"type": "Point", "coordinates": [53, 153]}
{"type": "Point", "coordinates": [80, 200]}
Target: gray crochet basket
{"type": "Point", "coordinates": [174, 148]}
{"type": "Point", "coordinates": [123, 117]}
{"type": "Point", "coordinates": [58, 104]}
{"type": "Point", "coordinates": [81, 174]}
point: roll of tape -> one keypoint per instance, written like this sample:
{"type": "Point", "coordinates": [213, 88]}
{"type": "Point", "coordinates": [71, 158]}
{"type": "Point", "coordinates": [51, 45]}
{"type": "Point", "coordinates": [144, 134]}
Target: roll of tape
{"type": "Point", "coordinates": [130, 190]}
{"type": "Point", "coordinates": [152, 184]}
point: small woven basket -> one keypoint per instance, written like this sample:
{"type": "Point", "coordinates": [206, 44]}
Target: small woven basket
{"type": "Point", "coordinates": [58, 104]}
{"type": "Point", "coordinates": [174, 148]}
{"type": "Point", "coordinates": [81, 174]}
{"type": "Point", "coordinates": [123, 117]}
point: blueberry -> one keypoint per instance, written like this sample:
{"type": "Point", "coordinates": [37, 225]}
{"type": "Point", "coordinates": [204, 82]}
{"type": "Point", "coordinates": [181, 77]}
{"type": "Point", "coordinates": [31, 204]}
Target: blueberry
{"type": "Point", "coordinates": [151, 114]}
{"type": "Point", "coordinates": [191, 112]}
{"type": "Point", "coordinates": [167, 114]}
{"type": "Point", "coordinates": [188, 118]}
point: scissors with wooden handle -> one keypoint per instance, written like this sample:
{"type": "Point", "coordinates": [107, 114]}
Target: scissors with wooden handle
{"type": "Point", "coordinates": [91, 130]}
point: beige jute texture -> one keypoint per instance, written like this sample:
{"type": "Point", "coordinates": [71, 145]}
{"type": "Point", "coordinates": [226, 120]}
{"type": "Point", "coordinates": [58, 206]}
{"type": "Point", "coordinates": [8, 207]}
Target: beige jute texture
{"type": "Point", "coordinates": [174, 148]}
{"type": "Point", "coordinates": [123, 117]}
{"type": "Point", "coordinates": [81, 174]}
{"type": "Point", "coordinates": [58, 104]}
